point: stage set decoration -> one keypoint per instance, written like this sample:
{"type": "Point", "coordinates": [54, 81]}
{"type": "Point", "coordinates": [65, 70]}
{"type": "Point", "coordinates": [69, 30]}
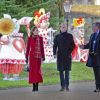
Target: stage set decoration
{"type": "Point", "coordinates": [6, 26]}
{"type": "Point", "coordinates": [12, 48]}
{"type": "Point", "coordinates": [41, 21]}
{"type": "Point", "coordinates": [77, 29]}
{"type": "Point", "coordinates": [12, 45]}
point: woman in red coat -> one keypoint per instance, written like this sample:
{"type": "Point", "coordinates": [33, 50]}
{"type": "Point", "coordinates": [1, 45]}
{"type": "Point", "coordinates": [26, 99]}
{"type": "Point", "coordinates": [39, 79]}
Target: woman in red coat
{"type": "Point", "coordinates": [34, 56]}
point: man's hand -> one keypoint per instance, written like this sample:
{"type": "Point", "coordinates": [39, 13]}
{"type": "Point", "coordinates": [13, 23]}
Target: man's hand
{"type": "Point", "coordinates": [81, 46]}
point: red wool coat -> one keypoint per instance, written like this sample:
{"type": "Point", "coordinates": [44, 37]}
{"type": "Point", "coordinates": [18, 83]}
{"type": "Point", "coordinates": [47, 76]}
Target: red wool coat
{"type": "Point", "coordinates": [35, 75]}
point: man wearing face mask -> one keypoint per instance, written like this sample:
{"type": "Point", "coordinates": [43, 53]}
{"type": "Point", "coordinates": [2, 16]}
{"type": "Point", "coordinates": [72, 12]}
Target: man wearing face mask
{"type": "Point", "coordinates": [94, 54]}
{"type": "Point", "coordinates": [63, 47]}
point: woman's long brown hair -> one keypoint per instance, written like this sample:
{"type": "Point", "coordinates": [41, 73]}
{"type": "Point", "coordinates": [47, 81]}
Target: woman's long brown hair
{"type": "Point", "coordinates": [32, 29]}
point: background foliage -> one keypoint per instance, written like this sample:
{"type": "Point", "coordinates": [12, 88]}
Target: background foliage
{"type": "Point", "coordinates": [20, 8]}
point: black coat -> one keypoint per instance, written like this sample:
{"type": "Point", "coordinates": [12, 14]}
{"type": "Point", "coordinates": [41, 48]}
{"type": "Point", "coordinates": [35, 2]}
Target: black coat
{"type": "Point", "coordinates": [63, 47]}
{"type": "Point", "coordinates": [93, 60]}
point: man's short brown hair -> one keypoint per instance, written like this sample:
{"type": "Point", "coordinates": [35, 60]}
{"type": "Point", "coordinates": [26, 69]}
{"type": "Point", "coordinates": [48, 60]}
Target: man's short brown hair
{"type": "Point", "coordinates": [97, 24]}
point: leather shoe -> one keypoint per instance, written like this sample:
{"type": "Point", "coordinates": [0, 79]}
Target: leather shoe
{"type": "Point", "coordinates": [62, 89]}
{"type": "Point", "coordinates": [97, 90]}
{"type": "Point", "coordinates": [67, 89]}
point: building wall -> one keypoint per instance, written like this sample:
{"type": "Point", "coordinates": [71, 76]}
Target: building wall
{"type": "Point", "coordinates": [97, 2]}
{"type": "Point", "coordinates": [85, 2]}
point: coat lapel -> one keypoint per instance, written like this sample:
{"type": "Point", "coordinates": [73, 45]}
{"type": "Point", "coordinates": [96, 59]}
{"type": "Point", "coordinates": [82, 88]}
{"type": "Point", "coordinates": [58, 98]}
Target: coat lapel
{"type": "Point", "coordinates": [90, 42]}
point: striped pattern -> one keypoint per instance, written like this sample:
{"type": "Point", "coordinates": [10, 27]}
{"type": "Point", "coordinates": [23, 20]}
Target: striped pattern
{"type": "Point", "coordinates": [12, 61]}
{"type": "Point", "coordinates": [17, 34]}
{"type": "Point", "coordinates": [11, 68]}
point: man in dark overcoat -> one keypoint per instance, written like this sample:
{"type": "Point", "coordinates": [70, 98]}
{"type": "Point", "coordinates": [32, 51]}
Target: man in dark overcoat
{"type": "Point", "coordinates": [94, 53]}
{"type": "Point", "coordinates": [63, 47]}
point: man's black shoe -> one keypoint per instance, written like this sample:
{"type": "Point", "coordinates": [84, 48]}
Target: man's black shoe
{"type": "Point", "coordinates": [97, 90]}
{"type": "Point", "coordinates": [62, 89]}
{"type": "Point", "coordinates": [67, 89]}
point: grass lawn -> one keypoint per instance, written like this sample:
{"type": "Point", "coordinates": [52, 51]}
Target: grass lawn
{"type": "Point", "coordinates": [79, 73]}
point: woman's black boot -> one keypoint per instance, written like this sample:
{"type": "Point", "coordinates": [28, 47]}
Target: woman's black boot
{"type": "Point", "coordinates": [34, 86]}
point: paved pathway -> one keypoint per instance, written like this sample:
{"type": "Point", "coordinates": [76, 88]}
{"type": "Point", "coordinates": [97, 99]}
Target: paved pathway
{"type": "Point", "coordinates": [78, 91]}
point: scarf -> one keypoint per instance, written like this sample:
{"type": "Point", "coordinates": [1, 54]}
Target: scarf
{"type": "Point", "coordinates": [63, 33]}
{"type": "Point", "coordinates": [37, 52]}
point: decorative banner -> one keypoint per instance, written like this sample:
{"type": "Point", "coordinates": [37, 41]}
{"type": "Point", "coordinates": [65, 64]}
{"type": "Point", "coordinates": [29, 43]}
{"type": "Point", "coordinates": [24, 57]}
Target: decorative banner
{"type": "Point", "coordinates": [6, 26]}
{"type": "Point", "coordinates": [25, 20]}
{"type": "Point", "coordinates": [77, 22]}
